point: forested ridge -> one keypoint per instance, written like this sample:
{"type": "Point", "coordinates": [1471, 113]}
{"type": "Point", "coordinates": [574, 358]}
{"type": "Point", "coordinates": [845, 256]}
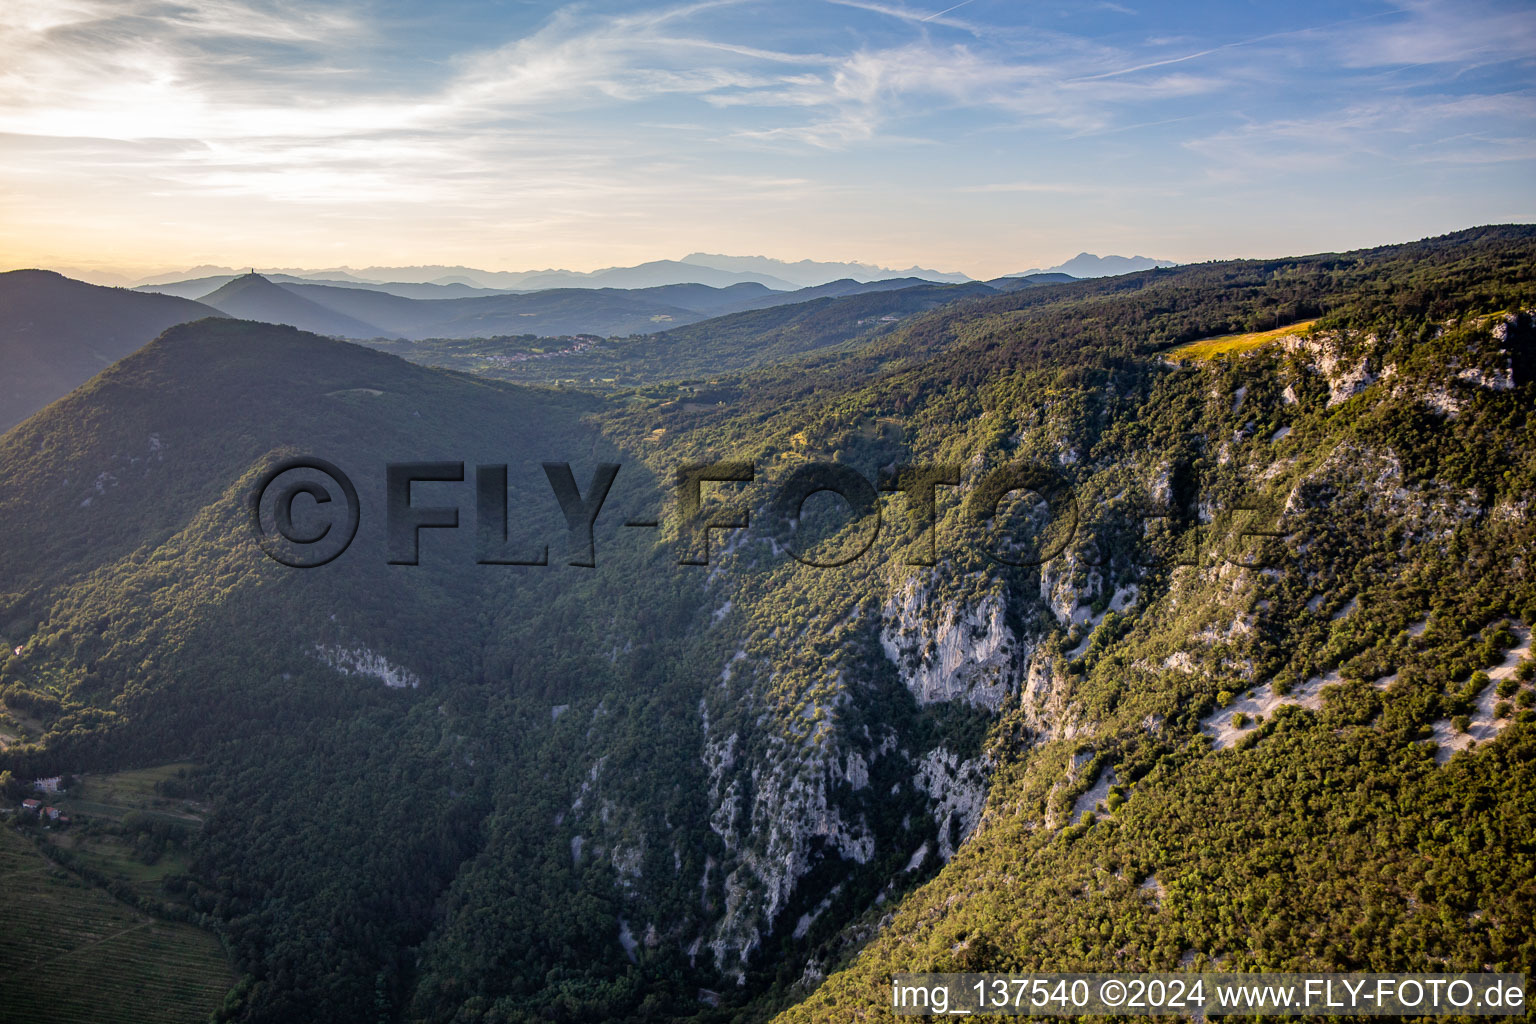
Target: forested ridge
{"type": "Point", "coordinates": [648, 791]}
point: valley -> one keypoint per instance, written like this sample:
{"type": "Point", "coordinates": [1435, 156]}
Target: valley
{"type": "Point", "coordinates": [70, 951]}
{"type": "Point", "coordinates": [1005, 737]}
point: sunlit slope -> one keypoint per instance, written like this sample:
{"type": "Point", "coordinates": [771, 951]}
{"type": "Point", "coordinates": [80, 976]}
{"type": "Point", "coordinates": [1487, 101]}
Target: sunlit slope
{"type": "Point", "coordinates": [1375, 816]}
{"type": "Point", "coordinates": [644, 788]}
{"type": "Point", "coordinates": [1236, 344]}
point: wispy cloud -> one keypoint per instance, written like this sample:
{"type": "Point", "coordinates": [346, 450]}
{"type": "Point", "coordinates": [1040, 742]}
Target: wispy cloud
{"type": "Point", "coordinates": [1434, 32]}
{"type": "Point", "coordinates": [911, 15]}
{"type": "Point", "coordinates": [947, 10]}
{"type": "Point", "coordinates": [658, 110]}
{"type": "Point", "coordinates": [1396, 129]}
{"type": "Point", "coordinates": [1048, 188]}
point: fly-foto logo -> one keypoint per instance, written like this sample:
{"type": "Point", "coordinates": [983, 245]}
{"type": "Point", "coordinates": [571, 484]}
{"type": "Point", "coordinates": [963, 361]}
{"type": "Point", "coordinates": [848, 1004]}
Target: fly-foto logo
{"type": "Point", "coordinates": [305, 513]}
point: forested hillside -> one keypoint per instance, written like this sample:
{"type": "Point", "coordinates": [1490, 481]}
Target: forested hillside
{"type": "Point", "coordinates": [726, 344]}
{"type": "Point", "coordinates": [56, 334]}
{"type": "Point", "coordinates": [1238, 673]}
{"type": "Point", "coordinates": [384, 313]}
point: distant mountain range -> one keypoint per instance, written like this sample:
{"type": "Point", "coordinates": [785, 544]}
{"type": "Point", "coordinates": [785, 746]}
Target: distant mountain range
{"type": "Point", "coordinates": [191, 288]}
{"type": "Point", "coordinates": [696, 268]}
{"type": "Point", "coordinates": [808, 273]}
{"type": "Point", "coordinates": [437, 281]}
{"type": "Point", "coordinates": [818, 322]}
{"type": "Point", "coordinates": [345, 310]}
{"type": "Point", "coordinates": [56, 333]}
{"type": "Point", "coordinates": [1086, 264]}
{"type": "Point", "coordinates": [646, 275]}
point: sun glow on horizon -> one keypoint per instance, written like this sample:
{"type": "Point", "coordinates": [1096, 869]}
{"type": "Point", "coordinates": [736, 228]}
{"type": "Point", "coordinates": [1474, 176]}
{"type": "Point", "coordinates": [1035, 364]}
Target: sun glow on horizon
{"type": "Point", "coordinates": [142, 136]}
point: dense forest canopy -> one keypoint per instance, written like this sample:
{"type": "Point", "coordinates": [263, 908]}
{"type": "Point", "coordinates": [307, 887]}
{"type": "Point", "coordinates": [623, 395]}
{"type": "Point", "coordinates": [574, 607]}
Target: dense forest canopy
{"type": "Point", "coordinates": [652, 791]}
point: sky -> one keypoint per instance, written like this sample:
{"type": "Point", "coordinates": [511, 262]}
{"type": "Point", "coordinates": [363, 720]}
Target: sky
{"type": "Point", "coordinates": [986, 136]}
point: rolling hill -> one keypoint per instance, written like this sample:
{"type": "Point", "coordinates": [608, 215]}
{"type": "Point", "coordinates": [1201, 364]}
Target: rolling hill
{"type": "Point", "coordinates": [553, 312]}
{"type": "Point", "coordinates": [696, 268]}
{"type": "Point", "coordinates": [831, 290]}
{"type": "Point", "coordinates": [56, 333]}
{"type": "Point", "coordinates": [728, 343]}
{"type": "Point", "coordinates": [1251, 685]}
{"type": "Point", "coordinates": [145, 473]}
{"type": "Point", "coordinates": [651, 275]}
{"type": "Point", "coordinates": [356, 312]}
{"type": "Point", "coordinates": [1011, 284]}
{"type": "Point", "coordinates": [369, 312]}
{"type": "Point", "coordinates": [195, 287]}
{"type": "Point", "coordinates": [253, 297]}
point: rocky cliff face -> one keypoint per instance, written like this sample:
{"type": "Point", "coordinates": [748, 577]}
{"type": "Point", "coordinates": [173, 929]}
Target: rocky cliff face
{"type": "Point", "coordinates": [820, 742]}
{"type": "Point", "coordinates": [840, 738]}
{"type": "Point", "coordinates": [791, 780]}
{"type": "Point", "coordinates": [951, 652]}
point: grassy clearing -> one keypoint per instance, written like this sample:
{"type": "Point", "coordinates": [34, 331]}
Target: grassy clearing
{"type": "Point", "coordinates": [17, 726]}
{"type": "Point", "coordinates": [70, 952]}
{"type": "Point", "coordinates": [115, 796]}
{"type": "Point", "coordinates": [1231, 344]}
{"type": "Point", "coordinates": [132, 790]}
{"type": "Point", "coordinates": [99, 804]}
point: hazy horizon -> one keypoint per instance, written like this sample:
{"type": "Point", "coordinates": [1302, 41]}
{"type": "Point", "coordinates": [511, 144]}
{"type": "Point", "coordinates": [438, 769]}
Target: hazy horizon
{"type": "Point", "coordinates": [984, 138]}
{"type": "Point", "coordinates": [554, 592]}
{"type": "Point", "coordinates": [419, 272]}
